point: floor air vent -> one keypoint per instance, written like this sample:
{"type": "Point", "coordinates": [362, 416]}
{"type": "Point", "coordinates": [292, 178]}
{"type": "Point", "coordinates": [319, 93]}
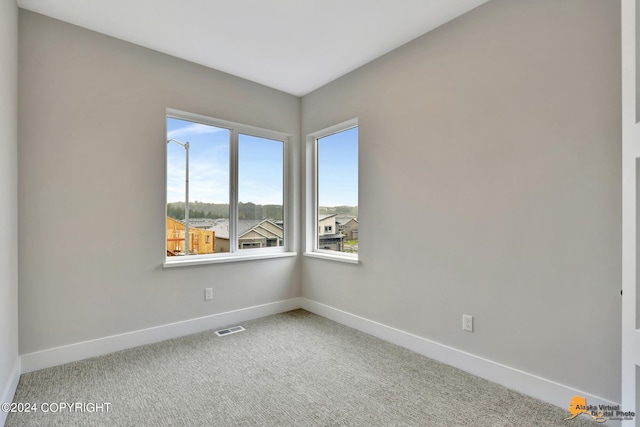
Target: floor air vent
{"type": "Point", "coordinates": [229, 331]}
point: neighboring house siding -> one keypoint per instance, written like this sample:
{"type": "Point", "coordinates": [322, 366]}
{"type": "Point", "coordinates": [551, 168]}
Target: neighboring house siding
{"type": "Point", "coordinates": [328, 236]}
{"type": "Point", "coordinates": [348, 227]}
{"type": "Point", "coordinates": [264, 234]}
{"type": "Point", "coordinates": [327, 225]}
{"type": "Point", "coordinates": [253, 233]}
{"type": "Point", "coordinates": [222, 244]}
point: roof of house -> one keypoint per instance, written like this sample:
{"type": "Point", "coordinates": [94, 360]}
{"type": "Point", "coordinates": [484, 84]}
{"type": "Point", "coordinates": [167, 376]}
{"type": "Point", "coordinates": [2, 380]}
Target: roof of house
{"type": "Point", "coordinates": [343, 219]}
{"type": "Point", "coordinates": [221, 226]}
{"type": "Point", "coordinates": [325, 216]}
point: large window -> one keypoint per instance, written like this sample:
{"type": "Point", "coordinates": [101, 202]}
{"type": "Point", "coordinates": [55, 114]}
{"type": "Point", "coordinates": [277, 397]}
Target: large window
{"type": "Point", "coordinates": [225, 189]}
{"type": "Point", "coordinates": [333, 185]}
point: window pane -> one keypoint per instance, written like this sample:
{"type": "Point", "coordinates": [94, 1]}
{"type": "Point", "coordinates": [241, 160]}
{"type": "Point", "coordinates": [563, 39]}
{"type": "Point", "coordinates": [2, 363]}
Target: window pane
{"type": "Point", "coordinates": [338, 191]}
{"type": "Point", "coordinates": [260, 192]}
{"type": "Point", "coordinates": [202, 196]}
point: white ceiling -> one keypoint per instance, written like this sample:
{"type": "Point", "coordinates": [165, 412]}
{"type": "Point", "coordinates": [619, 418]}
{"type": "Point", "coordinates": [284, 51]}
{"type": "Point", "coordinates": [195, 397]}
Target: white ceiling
{"type": "Point", "coordinates": [292, 45]}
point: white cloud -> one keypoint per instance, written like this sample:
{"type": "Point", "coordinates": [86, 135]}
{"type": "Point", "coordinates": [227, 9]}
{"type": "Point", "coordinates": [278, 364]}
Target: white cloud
{"type": "Point", "coordinates": [193, 129]}
{"type": "Point", "coordinates": [208, 182]}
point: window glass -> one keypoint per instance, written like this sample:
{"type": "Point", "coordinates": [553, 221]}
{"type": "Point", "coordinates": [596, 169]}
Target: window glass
{"type": "Point", "coordinates": [197, 187]}
{"type": "Point", "coordinates": [260, 192]}
{"type": "Point", "coordinates": [337, 191]}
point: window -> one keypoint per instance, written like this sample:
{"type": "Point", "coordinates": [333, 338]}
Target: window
{"type": "Point", "coordinates": [225, 189]}
{"type": "Point", "coordinates": [332, 185]}
{"type": "Point", "coordinates": [248, 245]}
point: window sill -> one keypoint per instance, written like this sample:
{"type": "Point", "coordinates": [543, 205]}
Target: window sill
{"type": "Point", "coordinates": [196, 260]}
{"type": "Point", "coordinates": [333, 257]}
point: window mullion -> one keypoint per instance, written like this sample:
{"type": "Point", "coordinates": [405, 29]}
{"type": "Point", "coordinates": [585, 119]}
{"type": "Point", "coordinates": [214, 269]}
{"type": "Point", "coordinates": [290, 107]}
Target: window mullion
{"type": "Point", "coordinates": [286, 200]}
{"type": "Point", "coordinates": [233, 192]}
{"type": "Point", "coordinates": [316, 207]}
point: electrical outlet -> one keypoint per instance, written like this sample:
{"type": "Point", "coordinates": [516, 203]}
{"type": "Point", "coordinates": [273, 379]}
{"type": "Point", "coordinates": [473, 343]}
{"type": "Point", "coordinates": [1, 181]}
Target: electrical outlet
{"type": "Point", "coordinates": [467, 323]}
{"type": "Point", "coordinates": [208, 294]}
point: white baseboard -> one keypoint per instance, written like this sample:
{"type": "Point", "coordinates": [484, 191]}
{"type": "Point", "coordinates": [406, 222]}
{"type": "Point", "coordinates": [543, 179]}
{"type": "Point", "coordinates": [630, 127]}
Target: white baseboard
{"type": "Point", "coordinates": [10, 389]}
{"type": "Point", "coordinates": [540, 388]}
{"type": "Point", "coordinates": [83, 350]}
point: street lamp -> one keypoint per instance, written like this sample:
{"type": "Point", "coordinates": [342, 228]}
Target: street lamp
{"type": "Point", "coordinates": [186, 192]}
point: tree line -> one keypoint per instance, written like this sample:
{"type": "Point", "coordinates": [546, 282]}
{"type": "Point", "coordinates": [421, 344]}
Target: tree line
{"type": "Point", "coordinates": [340, 210]}
{"type": "Point", "coordinates": [247, 210]}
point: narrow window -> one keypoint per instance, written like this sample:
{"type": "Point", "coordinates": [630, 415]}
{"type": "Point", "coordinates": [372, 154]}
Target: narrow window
{"type": "Point", "coordinates": [335, 189]}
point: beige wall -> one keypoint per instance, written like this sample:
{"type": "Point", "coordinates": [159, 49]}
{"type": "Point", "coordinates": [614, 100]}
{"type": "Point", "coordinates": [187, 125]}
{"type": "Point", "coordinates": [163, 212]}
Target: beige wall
{"type": "Point", "coordinates": [91, 158]}
{"type": "Point", "coordinates": [494, 141]}
{"type": "Point", "coordinates": [8, 194]}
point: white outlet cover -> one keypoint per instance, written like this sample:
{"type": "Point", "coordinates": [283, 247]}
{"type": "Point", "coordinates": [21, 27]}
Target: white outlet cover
{"type": "Point", "coordinates": [467, 323]}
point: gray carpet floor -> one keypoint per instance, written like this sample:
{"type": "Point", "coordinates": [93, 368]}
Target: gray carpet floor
{"type": "Point", "coordinates": [290, 369]}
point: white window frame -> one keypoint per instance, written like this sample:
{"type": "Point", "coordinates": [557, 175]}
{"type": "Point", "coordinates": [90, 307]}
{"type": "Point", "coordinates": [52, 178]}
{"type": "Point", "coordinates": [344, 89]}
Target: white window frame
{"type": "Point", "coordinates": [311, 200]}
{"type": "Point", "coordinates": [235, 253]}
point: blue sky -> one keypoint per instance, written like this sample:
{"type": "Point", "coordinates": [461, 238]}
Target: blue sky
{"type": "Point", "coordinates": [208, 162]}
{"type": "Point", "coordinates": [338, 169]}
{"type": "Point", "coordinates": [260, 169]}
{"type": "Point", "coordinates": [260, 166]}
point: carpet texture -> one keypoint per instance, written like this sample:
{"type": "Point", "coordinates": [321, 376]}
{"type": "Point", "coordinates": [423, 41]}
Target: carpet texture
{"type": "Point", "coordinates": [290, 369]}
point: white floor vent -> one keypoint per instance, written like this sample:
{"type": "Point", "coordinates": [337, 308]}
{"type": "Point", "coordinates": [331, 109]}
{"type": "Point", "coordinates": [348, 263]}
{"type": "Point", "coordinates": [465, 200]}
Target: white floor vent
{"type": "Point", "coordinates": [229, 331]}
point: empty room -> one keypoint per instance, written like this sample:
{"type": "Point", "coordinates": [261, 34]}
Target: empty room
{"type": "Point", "coordinates": [181, 185]}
